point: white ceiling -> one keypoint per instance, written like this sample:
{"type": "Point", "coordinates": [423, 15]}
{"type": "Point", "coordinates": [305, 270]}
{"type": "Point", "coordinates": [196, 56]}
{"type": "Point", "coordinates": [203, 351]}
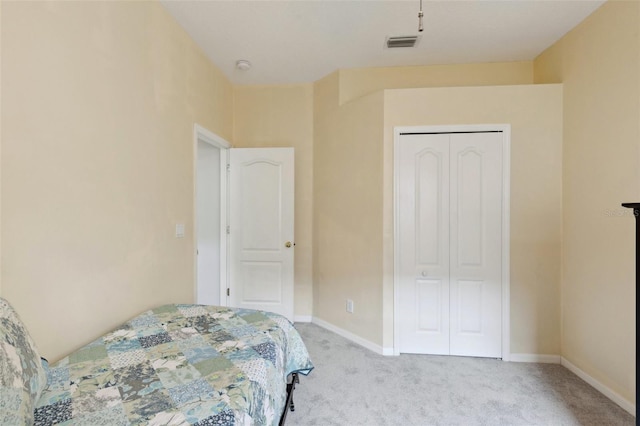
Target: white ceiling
{"type": "Point", "coordinates": [299, 41]}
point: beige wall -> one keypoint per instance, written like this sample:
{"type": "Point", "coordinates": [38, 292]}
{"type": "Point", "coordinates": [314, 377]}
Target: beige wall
{"type": "Point", "coordinates": [282, 116]}
{"type": "Point", "coordinates": [98, 105]}
{"type": "Point", "coordinates": [535, 116]}
{"type": "Point", "coordinates": [347, 222]}
{"type": "Point", "coordinates": [598, 63]}
{"type": "Point", "coordinates": [352, 270]}
{"type": "Point", "coordinates": [357, 82]}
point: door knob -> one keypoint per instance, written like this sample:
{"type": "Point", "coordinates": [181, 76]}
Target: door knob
{"type": "Point", "coordinates": [288, 244]}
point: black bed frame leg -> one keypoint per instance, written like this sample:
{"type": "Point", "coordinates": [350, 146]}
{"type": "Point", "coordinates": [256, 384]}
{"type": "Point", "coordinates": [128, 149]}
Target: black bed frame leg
{"type": "Point", "coordinates": [289, 403]}
{"type": "Point", "coordinates": [295, 379]}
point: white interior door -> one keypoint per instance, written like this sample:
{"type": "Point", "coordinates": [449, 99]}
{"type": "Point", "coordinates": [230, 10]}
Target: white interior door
{"type": "Point", "coordinates": [261, 182]}
{"type": "Point", "coordinates": [450, 243]}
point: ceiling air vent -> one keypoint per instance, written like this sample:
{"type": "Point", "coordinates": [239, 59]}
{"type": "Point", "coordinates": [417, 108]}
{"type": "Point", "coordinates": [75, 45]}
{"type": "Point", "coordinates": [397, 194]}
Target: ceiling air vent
{"type": "Point", "coordinates": [401, 41]}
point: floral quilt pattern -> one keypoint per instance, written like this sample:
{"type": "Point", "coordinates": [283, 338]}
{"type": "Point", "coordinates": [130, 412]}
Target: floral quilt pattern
{"type": "Point", "coordinates": [178, 365]}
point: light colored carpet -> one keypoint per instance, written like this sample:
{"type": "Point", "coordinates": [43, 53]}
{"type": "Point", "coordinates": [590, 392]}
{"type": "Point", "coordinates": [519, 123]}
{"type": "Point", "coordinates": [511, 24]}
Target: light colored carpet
{"type": "Point", "coordinates": [351, 385]}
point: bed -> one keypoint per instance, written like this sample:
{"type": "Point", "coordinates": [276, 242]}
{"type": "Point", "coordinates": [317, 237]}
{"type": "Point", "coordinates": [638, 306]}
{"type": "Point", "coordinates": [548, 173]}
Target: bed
{"type": "Point", "coordinates": [172, 365]}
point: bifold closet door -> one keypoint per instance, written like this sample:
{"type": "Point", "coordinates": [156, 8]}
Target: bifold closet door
{"type": "Point", "coordinates": [450, 219]}
{"type": "Point", "coordinates": [423, 249]}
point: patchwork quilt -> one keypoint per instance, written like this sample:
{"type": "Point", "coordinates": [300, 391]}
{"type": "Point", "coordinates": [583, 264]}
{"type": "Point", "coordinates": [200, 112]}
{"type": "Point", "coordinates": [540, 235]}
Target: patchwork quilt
{"type": "Point", "coordinates": [178, 365]}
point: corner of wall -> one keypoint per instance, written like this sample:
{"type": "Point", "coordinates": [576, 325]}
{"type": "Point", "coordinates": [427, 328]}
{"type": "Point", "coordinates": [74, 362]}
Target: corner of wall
{"type": "Point", "coordinates": [548, 66]}
{"type": "Point", "coordinates": [348, 210]}
{"type": "Point", "coordinates": [598, 62]}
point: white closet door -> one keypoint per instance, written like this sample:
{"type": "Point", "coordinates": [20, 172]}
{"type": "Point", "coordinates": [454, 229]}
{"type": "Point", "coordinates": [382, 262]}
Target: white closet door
{"type": "Point", "coordinates": [476, 244]}
{"type": "Point", "coordinates": [424, 243]}
{"type": "Point", "coordinates": [450, 218]}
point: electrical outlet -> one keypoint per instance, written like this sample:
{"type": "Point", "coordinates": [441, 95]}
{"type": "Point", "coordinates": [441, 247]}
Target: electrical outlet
{"type": "Point", "coordinates": [350, 306]}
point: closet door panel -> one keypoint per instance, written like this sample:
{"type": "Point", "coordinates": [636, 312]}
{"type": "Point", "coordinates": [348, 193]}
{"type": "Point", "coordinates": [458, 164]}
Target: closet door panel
{"type": "Point", "coordinates": [424, 244]}
{"type": "Point", "coordinates": [476, 244]}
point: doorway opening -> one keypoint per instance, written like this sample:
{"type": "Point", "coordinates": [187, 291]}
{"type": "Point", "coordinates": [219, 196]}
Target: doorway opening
{"type": "Point", "coordinates": [210, 217]}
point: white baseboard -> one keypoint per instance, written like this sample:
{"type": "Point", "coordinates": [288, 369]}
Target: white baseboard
{"type": "Point", "coordinates": [605, 390]}
{"type": "Point", "coordinates": [540, 358]}
{"type": "Point", "coordinates": [302, 318]}
{"type": "Point", "coordinates": [388, 352]}
{"type": "Point", "coordinates": [354, 338]}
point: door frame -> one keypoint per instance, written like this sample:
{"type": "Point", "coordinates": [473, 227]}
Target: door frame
{"type": "Point", "coordinates": [202, 134]}
{"type": "Point", "coordinates": [506, 220]}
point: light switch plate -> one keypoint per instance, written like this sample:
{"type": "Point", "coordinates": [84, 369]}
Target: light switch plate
{"type": "Point", "coordinates": [179, 230]}
{"type": "Point", "coordinates": [350, 306]}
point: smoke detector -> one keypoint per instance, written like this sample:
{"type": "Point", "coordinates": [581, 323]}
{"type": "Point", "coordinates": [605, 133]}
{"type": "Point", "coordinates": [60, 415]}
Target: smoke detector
{"type": "Point", "coordinates": [401, 41]}
{"type": "Point", "coordinates": [243, 64]}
